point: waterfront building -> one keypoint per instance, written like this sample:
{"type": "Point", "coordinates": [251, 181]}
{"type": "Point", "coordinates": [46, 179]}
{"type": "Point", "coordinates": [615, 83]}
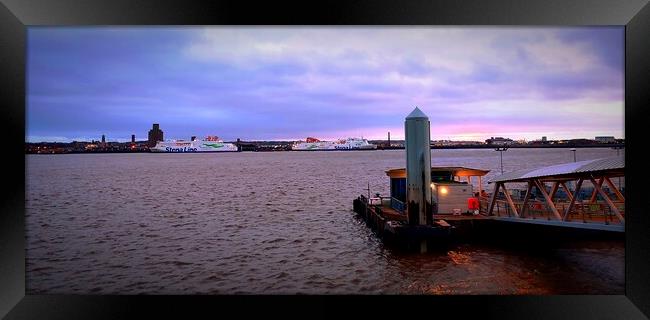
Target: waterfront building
{"type": "Point", "coordinates": [499, 141]}
{"type": "Point", "coordinates": [605, 139]}
{"type": "Point", "coordinates": [132, 138]}
{"type": "Point", "coordinates": [155, 135]}
{"type": "Point", "coordinates": [451, 188]}
{"type": "Point", "coordinates": [103, 138]}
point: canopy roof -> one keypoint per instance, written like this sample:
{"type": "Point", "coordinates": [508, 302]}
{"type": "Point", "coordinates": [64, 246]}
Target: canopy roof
{"type": "Point", "coordinates": [456, 171]}
{"type": "Point", "coordinates": [610, 166]}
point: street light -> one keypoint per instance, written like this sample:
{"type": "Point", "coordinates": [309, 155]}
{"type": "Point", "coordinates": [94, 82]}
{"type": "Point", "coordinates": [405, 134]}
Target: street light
{"type": "Point", "coordinates": [574, 154]}
{"type": "Point", "coordinates": [501, 149]}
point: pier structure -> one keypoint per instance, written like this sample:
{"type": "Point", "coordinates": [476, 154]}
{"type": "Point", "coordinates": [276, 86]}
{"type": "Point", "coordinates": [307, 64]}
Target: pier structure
{"type": "Point", "coordinates": [412, 223]}
{"type": "Point", "coordinates": [432, 204]}
{"type": "Point", "coordinates": [603, 208]}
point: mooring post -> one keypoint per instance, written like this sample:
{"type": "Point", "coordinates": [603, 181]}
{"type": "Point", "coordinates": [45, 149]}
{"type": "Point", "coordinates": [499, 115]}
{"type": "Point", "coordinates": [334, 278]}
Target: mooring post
{"type": "Point", "coordinates": [368, 191]}
{"type": "Point", "coordinates": [418, 168]}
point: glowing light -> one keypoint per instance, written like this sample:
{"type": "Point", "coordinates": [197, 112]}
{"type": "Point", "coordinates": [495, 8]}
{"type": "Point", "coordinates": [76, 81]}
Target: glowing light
{"type": "Point", "coordinates": [443, 190]}
{"type": "Point", "coordinates": [433, 186]}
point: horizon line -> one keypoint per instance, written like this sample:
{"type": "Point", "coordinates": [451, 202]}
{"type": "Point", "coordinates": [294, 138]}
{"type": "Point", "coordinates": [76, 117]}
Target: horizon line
{"type": "Point", "coordinates": [119, 140]}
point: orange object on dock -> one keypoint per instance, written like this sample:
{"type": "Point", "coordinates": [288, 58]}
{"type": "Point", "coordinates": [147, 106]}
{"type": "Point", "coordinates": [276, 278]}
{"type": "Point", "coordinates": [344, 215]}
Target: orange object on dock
{"type": "Point", "coordinates": [472, 204]}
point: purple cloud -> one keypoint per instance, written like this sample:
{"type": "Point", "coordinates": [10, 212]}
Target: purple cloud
{"type": "Point", "coordinates": [287, 83]}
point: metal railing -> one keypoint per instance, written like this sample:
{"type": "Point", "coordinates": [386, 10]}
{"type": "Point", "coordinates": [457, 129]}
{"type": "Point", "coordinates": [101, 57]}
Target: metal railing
{"type": "Point", "coordinates": [581, 211]}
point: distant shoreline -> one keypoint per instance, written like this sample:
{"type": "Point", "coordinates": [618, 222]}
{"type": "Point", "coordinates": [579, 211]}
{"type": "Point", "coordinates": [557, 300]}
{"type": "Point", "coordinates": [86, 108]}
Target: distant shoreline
{"type": "Point", "coordinates": [549, 146]}
{"type": "Point", "coordinates": [544, 146]}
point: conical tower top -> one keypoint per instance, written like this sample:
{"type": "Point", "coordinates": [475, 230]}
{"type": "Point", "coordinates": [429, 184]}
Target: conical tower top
{"type": "Point", "coordinates": [417, 114]}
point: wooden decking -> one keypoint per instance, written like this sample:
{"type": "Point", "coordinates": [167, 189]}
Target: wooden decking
{"type": "Point", "coordinates": [390, 223]}
{"type": "Point", "coordinates": [389, 213]}
{"type": "Point", "coordinates": [450, 217]}
{"type": "Point", "coordinates": [392, 214]}
{"type": "Point", "coordinates": [592, 213]}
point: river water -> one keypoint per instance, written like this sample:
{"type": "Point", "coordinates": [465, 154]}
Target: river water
{"type": "Point", "coordinates": [272, 223]}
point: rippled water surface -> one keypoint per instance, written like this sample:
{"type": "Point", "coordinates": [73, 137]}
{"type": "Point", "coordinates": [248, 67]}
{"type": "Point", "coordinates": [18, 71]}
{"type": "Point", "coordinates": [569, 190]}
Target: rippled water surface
{"type": "Point", "coordinates": [277, 222]}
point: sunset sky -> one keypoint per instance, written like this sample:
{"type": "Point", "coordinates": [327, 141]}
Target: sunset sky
{"type": "Point", "coordinates": [272, 83]}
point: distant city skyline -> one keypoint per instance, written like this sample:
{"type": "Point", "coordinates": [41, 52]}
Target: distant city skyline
{"type": "Point", "coordinates": [144, 139]}
{"type": "Point", "coordinates": [272, 83]}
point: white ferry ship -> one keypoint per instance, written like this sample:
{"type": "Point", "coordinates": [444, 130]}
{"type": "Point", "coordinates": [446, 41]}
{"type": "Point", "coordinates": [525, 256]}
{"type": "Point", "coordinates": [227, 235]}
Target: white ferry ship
{"type": "Point", "coordinates": [209, 144]}
{"type": "Point", "coordinates": [313, 144]}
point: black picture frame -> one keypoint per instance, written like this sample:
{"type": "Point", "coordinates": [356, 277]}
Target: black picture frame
{"type": "Point", "coordinates": [16, 15]}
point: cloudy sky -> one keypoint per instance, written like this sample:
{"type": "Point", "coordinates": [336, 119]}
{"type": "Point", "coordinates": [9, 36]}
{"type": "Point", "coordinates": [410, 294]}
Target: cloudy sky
{"type": "Point", "coordinates": [258, 83]}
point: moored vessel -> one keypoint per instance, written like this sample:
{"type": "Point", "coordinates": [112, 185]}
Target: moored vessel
{"type": "Point", "coordinates": [313, 144]}
{"type": "Point", "coordinates": [208, 144]}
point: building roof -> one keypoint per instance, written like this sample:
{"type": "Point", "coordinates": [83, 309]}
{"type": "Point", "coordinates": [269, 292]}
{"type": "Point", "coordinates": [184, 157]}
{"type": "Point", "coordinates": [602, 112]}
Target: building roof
{"type": "Point", "coordinates": [613, 166]}
{"type": "Point", "coordinates": [457, 171]}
